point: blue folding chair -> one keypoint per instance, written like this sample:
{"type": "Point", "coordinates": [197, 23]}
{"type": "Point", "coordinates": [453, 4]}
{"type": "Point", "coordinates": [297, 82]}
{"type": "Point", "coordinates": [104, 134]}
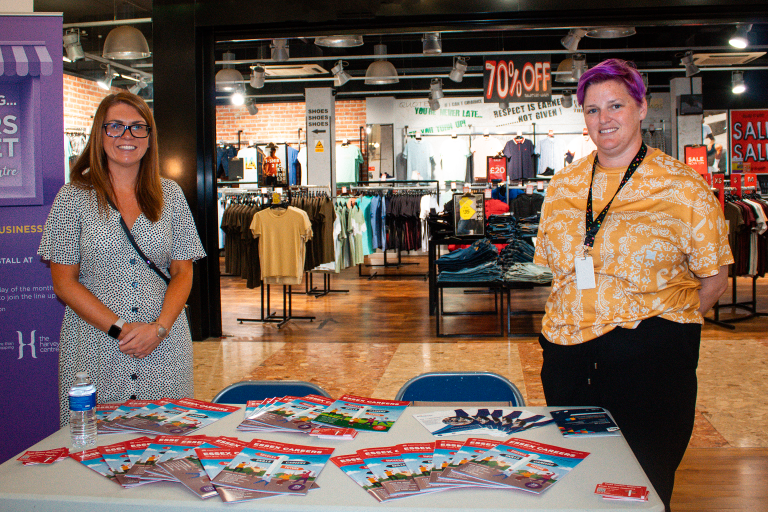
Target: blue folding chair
{"type": "Point", "coordinates": [466, 387]}
{"type": "Point", "coordinates": [241, 392]}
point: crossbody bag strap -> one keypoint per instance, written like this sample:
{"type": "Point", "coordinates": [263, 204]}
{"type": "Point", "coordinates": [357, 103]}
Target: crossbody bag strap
{"type": "Point", "coordinates": [149, 262]}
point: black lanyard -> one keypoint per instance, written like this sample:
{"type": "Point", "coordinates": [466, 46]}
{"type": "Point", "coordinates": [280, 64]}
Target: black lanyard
{"type": "Point", "coordinates": [593, 226]}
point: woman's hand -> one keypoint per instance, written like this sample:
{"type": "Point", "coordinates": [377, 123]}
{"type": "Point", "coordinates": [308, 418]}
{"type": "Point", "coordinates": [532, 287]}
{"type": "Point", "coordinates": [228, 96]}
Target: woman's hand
{"type": "Point", "coordinates": [138, 339]}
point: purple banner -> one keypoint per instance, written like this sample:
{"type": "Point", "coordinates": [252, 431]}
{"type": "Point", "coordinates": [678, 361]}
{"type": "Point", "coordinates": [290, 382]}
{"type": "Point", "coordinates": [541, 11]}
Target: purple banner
{"type": "Point", "coordinates": [31, 173]}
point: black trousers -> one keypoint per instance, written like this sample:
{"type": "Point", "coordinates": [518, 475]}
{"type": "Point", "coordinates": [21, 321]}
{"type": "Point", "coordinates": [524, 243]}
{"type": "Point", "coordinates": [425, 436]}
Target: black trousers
{"type": "Point", "coordinates": [645, 377]}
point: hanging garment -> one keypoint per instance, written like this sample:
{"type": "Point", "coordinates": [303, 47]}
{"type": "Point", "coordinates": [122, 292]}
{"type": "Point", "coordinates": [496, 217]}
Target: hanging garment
{"type": "Point", "coordinates": [519, 153]}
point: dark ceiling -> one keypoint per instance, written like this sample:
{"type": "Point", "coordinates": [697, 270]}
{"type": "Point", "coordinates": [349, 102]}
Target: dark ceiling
{"type": "Point", "coordinates": [655, 48]}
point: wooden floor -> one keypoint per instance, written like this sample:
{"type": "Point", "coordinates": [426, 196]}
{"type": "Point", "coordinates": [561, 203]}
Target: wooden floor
{"type": "Point", "coordinates": [373, 338]}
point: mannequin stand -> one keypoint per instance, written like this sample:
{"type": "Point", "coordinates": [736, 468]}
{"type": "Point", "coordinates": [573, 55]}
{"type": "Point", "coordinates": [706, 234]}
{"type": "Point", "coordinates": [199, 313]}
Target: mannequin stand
{"type": "Point", "coordinates": [273, 317]}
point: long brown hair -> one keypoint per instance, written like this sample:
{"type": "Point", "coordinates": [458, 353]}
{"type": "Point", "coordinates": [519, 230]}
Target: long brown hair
{"type": "Point", "coordinates": [90, 171]}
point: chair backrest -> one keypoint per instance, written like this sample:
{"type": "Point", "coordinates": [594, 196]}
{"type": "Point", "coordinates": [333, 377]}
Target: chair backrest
{"type": "Point", "coordinates": [461, 387]}
{"type": "Point", "coordinates": [241, 392]}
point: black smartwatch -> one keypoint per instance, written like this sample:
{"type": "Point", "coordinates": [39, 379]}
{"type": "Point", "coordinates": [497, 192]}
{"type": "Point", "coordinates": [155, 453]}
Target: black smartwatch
{"type": "Point", "coordinates": [116, 328]}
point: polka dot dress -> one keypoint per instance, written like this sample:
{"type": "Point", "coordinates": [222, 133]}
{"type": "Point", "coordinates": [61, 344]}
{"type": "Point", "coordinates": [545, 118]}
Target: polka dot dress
{"type": "Point", "coordinates": [75, 233]}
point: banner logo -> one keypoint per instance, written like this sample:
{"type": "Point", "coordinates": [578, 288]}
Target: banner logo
{"type": "Point", "coordinates": [31, 345]}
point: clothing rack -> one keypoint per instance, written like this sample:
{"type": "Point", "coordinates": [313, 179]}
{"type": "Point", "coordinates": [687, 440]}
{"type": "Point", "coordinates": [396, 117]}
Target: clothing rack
{"type": "Point", "coordinates": [393, 185]}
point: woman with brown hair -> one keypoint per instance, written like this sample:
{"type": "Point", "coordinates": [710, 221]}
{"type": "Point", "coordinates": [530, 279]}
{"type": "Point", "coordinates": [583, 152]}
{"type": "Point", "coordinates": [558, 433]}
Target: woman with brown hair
{"type": "Point", "coordinates": [123, 324]}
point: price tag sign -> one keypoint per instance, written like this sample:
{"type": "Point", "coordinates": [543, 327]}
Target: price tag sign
{"type": "Point", "coordinates": [343, 190]}
{"type": "Point", "coordinates": [529, 189]}
{"type": "Point", "coordinates": [539, 186]}
{"type": "Point", "coordinates": [466, 211]}
{"type": "Point", "coordinates": [497, 169]}
{"type": "Point", "coordinates": [487, 193]}
{"type": "Point", "coordinates": [750, 180]}
{"type": "Point", "coordinates": [453, 185]}
{"type": "Point", "coordinates": [467, 188]}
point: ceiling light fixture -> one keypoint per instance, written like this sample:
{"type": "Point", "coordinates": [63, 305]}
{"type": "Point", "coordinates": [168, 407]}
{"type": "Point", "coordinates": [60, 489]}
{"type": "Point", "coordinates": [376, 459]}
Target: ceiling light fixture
{"type": "Point", "coordinates": [611, 32]}
{"type": "Point", "coordinates": [436, 89]}
{"type": "Point", "coordinates": [106, 82]}
{"type": "Point", "coordinates": [72, 45]}
{"type": "Point", "coordinates": [339, 41]}
{"type": "Point", "coordinates": [252, 108]}
{"type": "Point", "coordinates": [431, 43]}
{"type": "Point", "coordinates": [381, 71]}
{"type": "Point", "coordinates": [280, 52]}
{"type": "Point", "coordinates": [571, 41]}
{"type": "Point", "coordinates": [690, 68]}
{"type": "Point", "coordinates": [459, 68]}
{"type": "Point", "coordinates": [567, 100]}
{"type": "Point", "coordinates": [579, 66]}
{"type": "Point", "coordinates": [228, 77]}
{"type": "Point", "coordinates": [737, 81]}
{"type": "Point", "coordinates": [125, 43]}
{"type": "Point", "coordinates": [257, 76]}
{"type": "Point", "coordinates": [139, 85]}
{"type": "Point", "coordinates": [434, 103]}
{"type": "Point", "coordinates": [237, 98]}
{"type": "Point", "coordinates": [340, 77]}
{"type": "Point", "coordinates": [564, 73]}
{"type": "Point", "coordinates": [739, 38]}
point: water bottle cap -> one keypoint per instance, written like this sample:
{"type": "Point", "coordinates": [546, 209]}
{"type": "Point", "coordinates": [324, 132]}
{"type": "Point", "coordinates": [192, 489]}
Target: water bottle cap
{"type": "Point", "coordinates": [81, 375]}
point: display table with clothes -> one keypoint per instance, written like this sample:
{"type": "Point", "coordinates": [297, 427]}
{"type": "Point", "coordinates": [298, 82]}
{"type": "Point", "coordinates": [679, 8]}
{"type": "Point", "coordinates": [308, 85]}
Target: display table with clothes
{"type": "Point", "coordinates": [69, 486]}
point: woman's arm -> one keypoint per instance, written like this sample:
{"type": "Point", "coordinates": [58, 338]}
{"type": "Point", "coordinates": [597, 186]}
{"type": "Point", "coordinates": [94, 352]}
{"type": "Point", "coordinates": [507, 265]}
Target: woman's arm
{"type": "Point", "coordinates": [712, 288]}
{"type": "Point", "coordinates": [141, 339]}
{"type": "Point", "coordinates": [79, 298]}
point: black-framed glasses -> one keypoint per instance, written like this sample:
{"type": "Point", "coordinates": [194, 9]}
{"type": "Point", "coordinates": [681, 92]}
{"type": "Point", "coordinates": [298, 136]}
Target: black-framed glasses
{"type": "Point", "coordinates": [140, 131]}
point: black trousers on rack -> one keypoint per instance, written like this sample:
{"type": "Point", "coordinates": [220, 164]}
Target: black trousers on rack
{"type": "Point", "coordinates": [646, 379]}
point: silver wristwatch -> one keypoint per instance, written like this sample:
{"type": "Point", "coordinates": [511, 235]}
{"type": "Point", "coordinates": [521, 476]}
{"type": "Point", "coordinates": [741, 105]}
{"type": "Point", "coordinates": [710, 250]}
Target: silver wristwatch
{"type": "Point", "coordinates": [162, 332]}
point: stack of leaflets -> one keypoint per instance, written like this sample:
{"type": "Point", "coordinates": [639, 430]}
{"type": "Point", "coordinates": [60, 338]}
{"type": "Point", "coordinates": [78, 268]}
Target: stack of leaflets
{"type": "Point", "coordinates": [32, 457]}
{"type": "Point", "coordinates": [392, 472]}
{"type": "Point", "coordinates": [364, 414]}
{"type": "Point", "coordinates": [585, 422]}
{"type": "Point", "coordinates": [496, 422]}
{"type": "Point", "coordinates": [283, 414]}
{"type": "Point", "coordinates": [345, 434]}
{"type": "Point", "coordinates": [271, 467]}
{"type": "Point", "coordinates": [243, 470]}
{"type": "Point", "coordinates": [170, 417]}
{"type": "Point", "coordinates": [622, 492]}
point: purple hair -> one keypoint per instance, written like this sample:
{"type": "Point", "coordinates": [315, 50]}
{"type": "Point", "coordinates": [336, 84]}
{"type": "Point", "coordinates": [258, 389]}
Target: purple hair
{"type": "Point", "coordinates": [613, 69]}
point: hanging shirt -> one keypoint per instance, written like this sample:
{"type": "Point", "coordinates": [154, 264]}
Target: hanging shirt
{"type": "Point", "coordinates": [282, 243]}
{"type": "Point", "coordinates": [419, 158]}
{"type": "Point", "coordinates": [348, 160]}
{"type": "Point", "coordinates": [519, 153]}
{"type": "Point", "coordinates": [482, 148]}
{"type": "Point", "coordinates": [546, 148]}
{"type": "Point", "coordinates": [581, 146]}
{"type": "Point", "coordinates": [453, 159]}
{"type": "Point", "coordinates": [292, 157]}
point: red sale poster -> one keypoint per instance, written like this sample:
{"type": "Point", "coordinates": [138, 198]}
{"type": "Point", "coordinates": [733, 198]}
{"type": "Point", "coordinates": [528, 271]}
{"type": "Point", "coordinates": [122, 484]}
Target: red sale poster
{"type": "Point", "coordinates": [749, 140]}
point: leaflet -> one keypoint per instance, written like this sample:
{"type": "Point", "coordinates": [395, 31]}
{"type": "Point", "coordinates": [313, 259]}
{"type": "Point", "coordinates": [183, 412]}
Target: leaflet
{"type": "Point", "coordinates": [177, 417]}
{"type": "Point", "coordinates": [387, 464]}
{"type": "Point", "coordinates": [360, 413]}
{"type": "Point", "coordinates": [354, 467]}
{"type": "Point", "coordinates": [585, 422]}
{"type": "Point", "coordinates": [497, 422]}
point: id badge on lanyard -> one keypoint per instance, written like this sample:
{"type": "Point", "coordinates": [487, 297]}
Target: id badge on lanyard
{"type": "Point", "coordinates": [585, 271]}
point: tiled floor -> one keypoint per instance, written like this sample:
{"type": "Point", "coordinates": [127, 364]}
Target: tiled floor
{"type": "Point", "coordinates": [374, 338]}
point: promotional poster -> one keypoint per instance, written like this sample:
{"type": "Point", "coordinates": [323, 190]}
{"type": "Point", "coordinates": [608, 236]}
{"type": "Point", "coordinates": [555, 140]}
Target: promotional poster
{"type": "Point", "coordinates": [31, 163]}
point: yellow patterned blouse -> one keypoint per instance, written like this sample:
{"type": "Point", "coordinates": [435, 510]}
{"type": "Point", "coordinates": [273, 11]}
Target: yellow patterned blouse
{"type": "Point", "coordinates": [664, 228]}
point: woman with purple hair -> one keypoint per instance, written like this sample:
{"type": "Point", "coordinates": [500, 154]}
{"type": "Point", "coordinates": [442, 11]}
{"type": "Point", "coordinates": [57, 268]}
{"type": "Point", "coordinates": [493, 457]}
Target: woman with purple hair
{"type": "Point", "coordinates": [638, 247]}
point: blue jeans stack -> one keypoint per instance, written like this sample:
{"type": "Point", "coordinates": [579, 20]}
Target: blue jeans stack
{"type": "Point", "coordinates": [502, 226]}
{"type": "Point", "coordinates": [476, 263]}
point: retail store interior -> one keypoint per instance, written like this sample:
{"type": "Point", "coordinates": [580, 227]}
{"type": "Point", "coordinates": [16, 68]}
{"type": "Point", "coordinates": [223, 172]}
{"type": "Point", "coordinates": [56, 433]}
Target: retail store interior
{"type": "Point", "coordinates": [374, 324]}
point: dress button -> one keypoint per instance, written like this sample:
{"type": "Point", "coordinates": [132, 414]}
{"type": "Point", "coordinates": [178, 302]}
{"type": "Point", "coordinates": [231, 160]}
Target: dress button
{"type": "Point", "coordinates": [134, 284]}
{"type": "Point", "coordinates": [133, 261]}
{"type": "Point", "coordinates": [134, 376]}
{"type": "Point", "coordinates": [134, 310]}
{"type": "Point", "coordinates": [133, 397]}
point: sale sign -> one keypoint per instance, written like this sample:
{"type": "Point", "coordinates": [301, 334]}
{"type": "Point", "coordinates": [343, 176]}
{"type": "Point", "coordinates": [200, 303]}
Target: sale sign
{"type": "Point", "coordinates": [517, 79]}
{"type": "Point", "coordinates": [749, 140]}
{"type": "Point", "coordinates": [497, 169]}
{"type": "Point", "coordinates": [696, 158]}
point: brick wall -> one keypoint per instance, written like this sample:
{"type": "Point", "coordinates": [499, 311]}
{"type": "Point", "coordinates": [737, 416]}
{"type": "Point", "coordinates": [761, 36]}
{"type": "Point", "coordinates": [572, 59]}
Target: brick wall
{"type": "Point", "coordinates": [81, 99]}
{"type": "Point", "coordinates": [281, 121]}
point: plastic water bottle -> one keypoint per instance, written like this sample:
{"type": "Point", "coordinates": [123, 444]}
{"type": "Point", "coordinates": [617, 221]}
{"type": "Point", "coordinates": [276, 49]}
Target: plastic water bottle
{"type": "Point", "coordinates": [82, 413]}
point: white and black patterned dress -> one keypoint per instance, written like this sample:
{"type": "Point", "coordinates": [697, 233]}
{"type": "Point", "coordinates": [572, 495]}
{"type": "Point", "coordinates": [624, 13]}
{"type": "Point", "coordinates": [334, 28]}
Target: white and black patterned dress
{"type": "Point", "coordinates": [75, 233]}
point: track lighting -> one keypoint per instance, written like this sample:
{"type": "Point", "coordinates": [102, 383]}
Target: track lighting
{"type": "Point", "coordinates": [459, 68]}
{"type": "Point", "coordinates": [237, 98]}
{"type": "Point", "coordinates": [690, 68]}
{"type": "Point", "coordinates": [571, 41]}
{"type": "Point", "coordinates": [72, 45]}
{"type": "Point", "coordinates": [436, 89]}
{"type": "Point", "coordinates": [257, 76]}
{"type": "Point", "coordinates": [611, 32]}
{"type": "Point", "coordinates": [737, 81]}
{"type": "Point", "coordinates": [579, 66]}
{"type": "Point", "coordinates": [252, 108]}
{"type": "Point", "coordinates": [106, 82]}
{"type": "Point", "coordinates": [567, 100]}
{"type": "Point", "coordinates": [381, 71]}
{"type": "Point", "coordinates": [434, 103]}
{"type": "Point", "coordinates": [431, 43]}
{"type": "Point", "coordinates": [739, 38]}
{"type": "Point", "coordinates": [228, 77]}
{"type": "Point", "coordinates": [138, 86]}
{"type": "Point", "coordinates": [280, 52]}
{"type": "Point", "coordinates": [340, 77]}
{"type": "Point", "coordinates": [339, 41]}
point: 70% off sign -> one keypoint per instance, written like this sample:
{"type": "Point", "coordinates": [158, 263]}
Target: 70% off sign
{"type": "Point", "coordinates": [518, 79]}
